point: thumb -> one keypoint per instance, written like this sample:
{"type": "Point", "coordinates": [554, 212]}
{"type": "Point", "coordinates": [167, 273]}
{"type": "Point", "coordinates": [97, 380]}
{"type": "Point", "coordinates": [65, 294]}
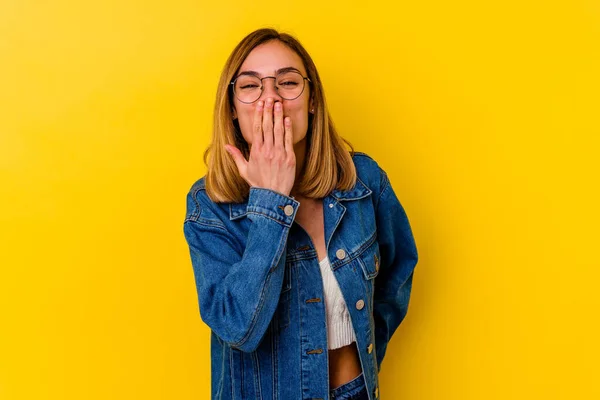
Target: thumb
{"type": "Point", "coordinates": [238, 158]}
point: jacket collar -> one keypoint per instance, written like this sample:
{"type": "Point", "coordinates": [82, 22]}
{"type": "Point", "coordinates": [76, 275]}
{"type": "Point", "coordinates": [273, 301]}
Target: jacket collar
{"type": "Point", "coordinates": [358, 191]}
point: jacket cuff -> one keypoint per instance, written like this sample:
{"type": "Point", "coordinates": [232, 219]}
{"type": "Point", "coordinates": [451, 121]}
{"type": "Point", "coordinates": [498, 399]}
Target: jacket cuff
{"type": "Point", "coordinates": [271, 204]}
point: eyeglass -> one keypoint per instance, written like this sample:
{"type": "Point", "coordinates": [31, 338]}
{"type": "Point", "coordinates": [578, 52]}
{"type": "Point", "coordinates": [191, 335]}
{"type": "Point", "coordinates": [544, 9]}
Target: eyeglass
{"type": "Point", "coordinates": [289, 85]}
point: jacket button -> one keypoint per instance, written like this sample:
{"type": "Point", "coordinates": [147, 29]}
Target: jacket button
{"type": "Point", "coordinates": [341, 253]}
{"type": "Point", "coordinates": [288, 210]}
{"type": "Point", "coordinates": [370, 348]}
{"type": "Point", "coordinates": [360, 304]}
{"type": "Point", "coordinates": [376, 263]}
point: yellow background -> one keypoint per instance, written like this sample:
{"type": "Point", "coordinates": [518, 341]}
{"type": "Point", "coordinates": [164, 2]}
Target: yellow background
{"type": "Point", "coordinates": [484, 114]}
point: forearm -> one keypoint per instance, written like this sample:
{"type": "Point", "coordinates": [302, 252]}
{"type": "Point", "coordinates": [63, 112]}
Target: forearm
{"type": "Point", "coordinates": [238, 293]}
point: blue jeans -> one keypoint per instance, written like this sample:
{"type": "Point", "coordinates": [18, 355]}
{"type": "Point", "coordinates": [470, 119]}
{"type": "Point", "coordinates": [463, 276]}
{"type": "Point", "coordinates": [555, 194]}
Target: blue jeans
{"type": "Point", "coordinates": [353, 390]}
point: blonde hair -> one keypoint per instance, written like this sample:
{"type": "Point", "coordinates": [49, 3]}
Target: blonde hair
{"type": "Point", "coordinates": [328, 164]}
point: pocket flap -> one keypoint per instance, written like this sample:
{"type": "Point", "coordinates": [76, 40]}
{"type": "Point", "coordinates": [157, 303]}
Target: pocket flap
{"type": "Point", "coordinates": [370, 260]}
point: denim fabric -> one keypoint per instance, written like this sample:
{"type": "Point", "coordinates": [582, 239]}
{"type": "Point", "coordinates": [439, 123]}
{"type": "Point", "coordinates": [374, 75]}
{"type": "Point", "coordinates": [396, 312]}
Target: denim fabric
{"type": "Point", "coordinates": [353, 390]}
{"type": "Point", "coordinates": [260, 289]}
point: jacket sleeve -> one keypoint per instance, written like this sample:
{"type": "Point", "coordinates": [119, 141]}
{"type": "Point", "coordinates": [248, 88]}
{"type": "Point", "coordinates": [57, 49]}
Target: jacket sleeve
{"type": "Point", "coordinates": [239, 288]}
{"type": "Point", "coordinates": [398, 257]}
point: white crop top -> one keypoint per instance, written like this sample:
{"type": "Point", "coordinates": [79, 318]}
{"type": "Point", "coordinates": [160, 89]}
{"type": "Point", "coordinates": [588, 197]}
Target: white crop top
{"type": "Point", "coordinates": [339, 327]}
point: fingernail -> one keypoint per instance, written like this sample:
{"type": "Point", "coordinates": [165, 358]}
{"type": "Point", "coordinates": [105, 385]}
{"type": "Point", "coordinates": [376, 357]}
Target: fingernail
{"type": "Point", "coordinates": [269, 102]}
{"type": "Point", "coordinates": [278, 106]}
{"type": "Point", "coordinates": [261, 103]}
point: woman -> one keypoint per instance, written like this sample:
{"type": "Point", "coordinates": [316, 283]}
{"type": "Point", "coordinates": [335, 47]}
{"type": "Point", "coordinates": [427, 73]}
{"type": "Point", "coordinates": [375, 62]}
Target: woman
{"type": "Point", "coordinates": [302, 254]}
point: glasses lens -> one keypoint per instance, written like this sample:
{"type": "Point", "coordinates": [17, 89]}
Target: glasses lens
{"type": "Point", "coordinates": [290, 85]}
{"type": "Point", "coordinates": [247, 88]}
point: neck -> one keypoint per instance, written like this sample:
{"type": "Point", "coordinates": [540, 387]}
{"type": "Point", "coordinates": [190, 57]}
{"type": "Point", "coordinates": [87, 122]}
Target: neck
{"type": "Point", "coordinates": [300, 151]}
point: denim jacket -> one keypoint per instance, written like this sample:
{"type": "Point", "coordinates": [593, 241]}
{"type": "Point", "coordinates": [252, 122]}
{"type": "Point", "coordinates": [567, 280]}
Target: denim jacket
{"type": "Point", "coordinates": [260, 289]}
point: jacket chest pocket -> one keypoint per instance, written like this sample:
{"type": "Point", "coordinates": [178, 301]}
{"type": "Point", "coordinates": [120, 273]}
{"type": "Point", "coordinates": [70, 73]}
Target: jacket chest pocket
{"type": "Point", "coordinates": [282, 315]}
{"type": "Point", "coordinates": [370, 260]}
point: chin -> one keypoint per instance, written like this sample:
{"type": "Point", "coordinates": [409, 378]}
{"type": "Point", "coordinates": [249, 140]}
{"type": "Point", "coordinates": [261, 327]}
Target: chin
{"type": "Point", "coordinates": [299, 140]}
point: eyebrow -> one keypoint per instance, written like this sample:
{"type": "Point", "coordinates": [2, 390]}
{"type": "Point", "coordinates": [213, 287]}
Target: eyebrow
{"type": "Point", "coordinates": [277, 72]}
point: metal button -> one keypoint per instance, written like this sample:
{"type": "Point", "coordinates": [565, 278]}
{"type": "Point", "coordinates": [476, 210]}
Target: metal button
{"type": "Point", "coordinates": [360, 304]}
{"type": "Point", "coordinates": [330, 205]}
{"type": "Point", "coordinates": [376, 392]}
{"type": "Point", "coordinates": [370, 348]}
{"type": "Point", "coordinates": [341, 253]}
{"type": "Point", "coordinates": [288, 210]}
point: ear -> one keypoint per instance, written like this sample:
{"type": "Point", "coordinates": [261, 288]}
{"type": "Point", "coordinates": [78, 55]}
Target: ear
{"type": "Point", "coordinates": [311, 106]}
{"type": "Point", "coordinates": [233, 112]}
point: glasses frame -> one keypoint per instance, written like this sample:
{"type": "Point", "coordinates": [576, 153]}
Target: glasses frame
{"type": "Point", "coordinates": [262, 86]}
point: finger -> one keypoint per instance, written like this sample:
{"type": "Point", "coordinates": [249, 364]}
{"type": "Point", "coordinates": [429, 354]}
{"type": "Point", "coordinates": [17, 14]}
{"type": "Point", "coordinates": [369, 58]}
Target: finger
{"type": "Point", "coordinates": [257, 135]}
{"type": "Point", "coordinates": [267, 125]}
{"type": "Point", "coordinates": [289, 136]}
{"type": "Point", "coordinates": [278, 130]}
{"type": "Point", "coordinates": [238, 158]}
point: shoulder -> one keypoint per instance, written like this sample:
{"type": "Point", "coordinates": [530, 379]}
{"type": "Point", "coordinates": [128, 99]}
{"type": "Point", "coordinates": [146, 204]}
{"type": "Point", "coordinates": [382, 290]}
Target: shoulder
{"type": "Point", "coordinates": [369, 172]}
{"type": "Point", "coordinates": [198, 186]}
{"type": "Point", "coordinates": [199, 205]}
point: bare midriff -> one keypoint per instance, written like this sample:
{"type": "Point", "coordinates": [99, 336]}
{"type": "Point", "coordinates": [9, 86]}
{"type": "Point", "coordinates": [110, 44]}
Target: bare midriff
{"type": "Point", "coordinates": [344, 365]}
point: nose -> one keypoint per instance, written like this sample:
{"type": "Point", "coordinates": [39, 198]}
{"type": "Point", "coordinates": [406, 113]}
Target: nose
{"type": "Point", "coordinates": [269, 90]}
